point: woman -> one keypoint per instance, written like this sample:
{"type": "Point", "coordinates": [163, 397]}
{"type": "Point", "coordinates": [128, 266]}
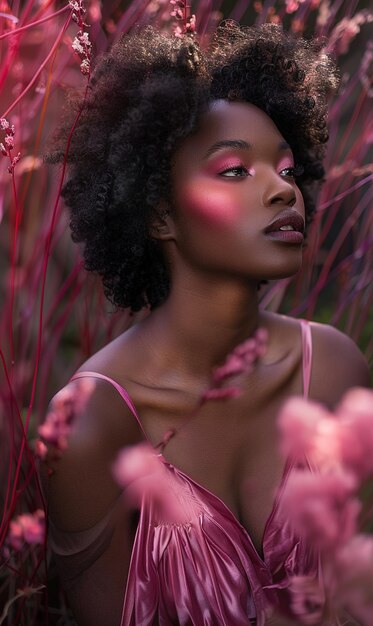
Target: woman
{"type": "Point", "coordinates": [191, 181]}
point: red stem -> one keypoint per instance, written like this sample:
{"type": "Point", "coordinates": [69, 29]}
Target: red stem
{"type": "Point", "coordinates": [36, 75]}
{"type": "Point", "coordinates": [41, 21]}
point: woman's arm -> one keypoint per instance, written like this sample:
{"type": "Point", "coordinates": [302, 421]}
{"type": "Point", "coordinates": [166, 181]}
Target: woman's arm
{"type": "Point", "coordinates": [81, 492]}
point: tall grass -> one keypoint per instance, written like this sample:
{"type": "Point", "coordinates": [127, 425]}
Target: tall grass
{"type": "Point", "coordinates": [53, 315]}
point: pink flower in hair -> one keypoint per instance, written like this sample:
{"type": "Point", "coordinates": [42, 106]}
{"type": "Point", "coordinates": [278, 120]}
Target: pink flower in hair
{"type": "Point", "coordinates": [321, 508]}
{"type": "Point", "coordinates": [27, 528]}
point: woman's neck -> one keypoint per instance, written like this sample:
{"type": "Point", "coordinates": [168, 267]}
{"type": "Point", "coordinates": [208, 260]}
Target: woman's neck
{"type": "Point", "coordinates": [200, 323]}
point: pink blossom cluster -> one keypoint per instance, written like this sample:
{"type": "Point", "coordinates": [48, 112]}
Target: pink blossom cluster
{"type": "Point", "coordinates": [180, 12]}
{"type": "Point", "coordinates": [292, 5]}
{"type": "Point", "coordinates": [239, 362]}
{"type": "Point", "coordinates": [323, 504]}
{"type": "Point", "coordinates": [81, 44]}
{"type": "Point", "coordinates": [8, 145]}
{"type": "Point", "coordinates": [308, 600]}
{"type": "Point", "coordinates": [141, 471]}
{"type": "Point", "coordinates": [342, 440]}
{"type": "Point", "coordinates": [27, 528]}
{"type": "Point", "coordinates": [346, 30]}
{"type": "Point", "coordinates": [59, 420]}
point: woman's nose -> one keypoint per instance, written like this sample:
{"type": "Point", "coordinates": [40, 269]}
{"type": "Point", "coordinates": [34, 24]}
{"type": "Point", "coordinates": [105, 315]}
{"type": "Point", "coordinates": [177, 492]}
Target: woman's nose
{"type": "Point", "coordinates": [278, 190]}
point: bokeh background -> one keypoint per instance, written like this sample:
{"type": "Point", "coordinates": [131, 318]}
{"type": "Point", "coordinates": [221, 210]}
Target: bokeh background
{"type": "Point", "coordinates": [53, 315]}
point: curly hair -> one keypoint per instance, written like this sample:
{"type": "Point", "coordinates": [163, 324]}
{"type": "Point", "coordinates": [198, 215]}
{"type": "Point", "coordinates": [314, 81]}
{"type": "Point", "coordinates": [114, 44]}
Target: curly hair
{"type": "Point", "coordinates": [145, 96]}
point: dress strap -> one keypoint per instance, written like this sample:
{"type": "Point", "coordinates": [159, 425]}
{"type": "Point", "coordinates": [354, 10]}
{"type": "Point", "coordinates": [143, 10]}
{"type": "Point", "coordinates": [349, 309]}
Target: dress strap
{"type": "Point", "coordinates": [307, 355]}
{"type": "Point", "coordinates": [120, 390]}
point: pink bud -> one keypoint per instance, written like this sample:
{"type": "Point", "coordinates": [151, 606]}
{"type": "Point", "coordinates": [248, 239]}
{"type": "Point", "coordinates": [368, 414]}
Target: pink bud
{"type": "Point", "coordinates": [41, 450]}
{"type": "Point", "coordinates": [9, 142]}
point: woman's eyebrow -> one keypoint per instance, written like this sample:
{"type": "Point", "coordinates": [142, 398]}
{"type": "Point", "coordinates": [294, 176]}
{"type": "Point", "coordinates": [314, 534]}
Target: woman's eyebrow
{"type": "Point", "coordinates": [283, 145]}
{"type": "Point", "coordinates": [238, 144]}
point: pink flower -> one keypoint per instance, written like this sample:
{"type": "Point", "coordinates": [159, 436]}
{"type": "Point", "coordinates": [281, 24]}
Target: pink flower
{"type": "Point", "coordinates": [292, 5]}
{"type": "Point", "coordinates": [95, 10]}
{"type": "Point", "coordinates": [321, 508]}
{"type": "Point", "coordinates": [41, 450]}
{"type": "Point", "coordinates": [354, 574]}
{"type": "Point", "coordinates": [239, 362]}
{"type": "Point", "coordinates": [307, 599]}
{"type": "Point", "coordinates": [143, 473]}
{"type": "Point", "coordinates": [323, 14]}
{"type": "Point", "coordinates": [27, 528]}
{"type": "Point", "coordinates": [178, 32]}
{"type": "Point", "coordinates": [177, 13]}
{"type": "Point", "coordinates": [85, 67]}
{"type": "Point", "coordinates": [308, 429]}
{"type": "Point", "coordinates": [356, 438]}
{"type": "Point", "coordinates": [346, 30]}
{"type": "Point", "coordinates": [14, 162]}
{"type": "Point", "coordinates": [77, 46]}
{"type": "Point", "coordinates": [66, 405]}
{"type": "Point", "coordinates": [15, 536]}
{"type": "Point", "coordinates": [75, 5]}
{"type": "Point", "coordinates": [139, 464]}
{"type": "Point", "coordinates": [84, 39]}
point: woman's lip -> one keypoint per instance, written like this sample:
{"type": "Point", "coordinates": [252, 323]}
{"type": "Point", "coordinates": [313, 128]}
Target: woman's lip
{"type": "Point", "coordinates": [288, 217]}
{"type": "Point", "coordinates": [288, 236]}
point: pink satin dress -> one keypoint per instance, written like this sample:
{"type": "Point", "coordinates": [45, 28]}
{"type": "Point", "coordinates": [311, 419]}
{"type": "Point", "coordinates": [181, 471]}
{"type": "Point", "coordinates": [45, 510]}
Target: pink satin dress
{"type": "Point", "coordinates": [206, 570]}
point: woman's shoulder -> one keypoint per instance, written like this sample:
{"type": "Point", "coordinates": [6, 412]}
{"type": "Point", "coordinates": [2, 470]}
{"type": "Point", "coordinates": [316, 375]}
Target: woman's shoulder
{"type": "Point", "coordinates": [100, 423]}
{"type": "Point", "coordinates": [337, 363]}
{"type": "Point", "coordinates": [334, 348]}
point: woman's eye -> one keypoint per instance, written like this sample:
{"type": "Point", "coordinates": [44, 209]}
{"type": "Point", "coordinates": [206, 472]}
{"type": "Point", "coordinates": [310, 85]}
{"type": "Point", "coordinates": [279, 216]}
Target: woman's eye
{"type": "Point", "coordinates": [292, 172]}
{"type": "Point", "coordinates": [238, 171]}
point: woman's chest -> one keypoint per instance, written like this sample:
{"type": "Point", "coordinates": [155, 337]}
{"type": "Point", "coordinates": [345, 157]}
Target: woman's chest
{"type": "Point", "coordinates": [230, 449]}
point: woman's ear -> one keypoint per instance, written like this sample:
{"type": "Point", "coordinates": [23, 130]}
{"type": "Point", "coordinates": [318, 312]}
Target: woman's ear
{"type": "Point", "coordinates": [162, 226]}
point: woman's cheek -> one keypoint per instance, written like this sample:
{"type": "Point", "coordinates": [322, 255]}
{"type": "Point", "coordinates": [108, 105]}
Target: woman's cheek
{"type": "Point", "coordinates": [213, 207]}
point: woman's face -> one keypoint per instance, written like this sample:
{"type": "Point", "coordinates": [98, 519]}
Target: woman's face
{"type": "Point", "coordinates": [237, 208]}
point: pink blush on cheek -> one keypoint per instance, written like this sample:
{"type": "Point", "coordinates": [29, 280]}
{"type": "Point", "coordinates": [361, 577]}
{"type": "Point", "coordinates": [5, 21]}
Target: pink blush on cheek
{"type": "Point", "coordinates": [212, 207]}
